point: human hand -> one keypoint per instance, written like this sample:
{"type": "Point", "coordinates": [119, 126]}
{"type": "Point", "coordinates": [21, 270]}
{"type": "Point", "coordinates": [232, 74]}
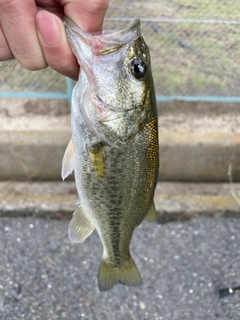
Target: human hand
{"type": "Point", "coordinates": [32, 31]}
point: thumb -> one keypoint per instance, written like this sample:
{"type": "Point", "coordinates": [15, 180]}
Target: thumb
{"type": "Point", "coordinates": [87, 14]}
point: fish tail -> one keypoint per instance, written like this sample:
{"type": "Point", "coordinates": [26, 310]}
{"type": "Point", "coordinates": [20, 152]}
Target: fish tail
{"type": "Point", "coordinates": [110, 274]}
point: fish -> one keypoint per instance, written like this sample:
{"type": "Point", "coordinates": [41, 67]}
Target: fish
{"type": "Point", "coordinates": [113, 149]}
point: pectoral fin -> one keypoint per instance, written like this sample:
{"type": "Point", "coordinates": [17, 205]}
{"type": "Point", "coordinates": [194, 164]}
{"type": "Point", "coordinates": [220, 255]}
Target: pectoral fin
{"type": "Point", "coordinates": [68, 160]}
{"type": "Point", "coordinates": [152, 214]}
{"type": "Point", "coordinates": [80, 227]}
{"type": "Point", "coordinates": [97, 157]}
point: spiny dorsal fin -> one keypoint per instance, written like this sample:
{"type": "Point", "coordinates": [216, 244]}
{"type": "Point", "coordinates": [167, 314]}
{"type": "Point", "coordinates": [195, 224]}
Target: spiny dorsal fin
{"type": "Point", "coordinates": [80, 227]}
{"type": "Point", "coordinates": [152, 214]}
{"type": "Point", "coordinates": [68, 160]}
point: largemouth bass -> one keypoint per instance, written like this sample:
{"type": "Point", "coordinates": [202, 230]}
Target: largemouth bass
{"type": "Point", "coordinates": [114, 145]}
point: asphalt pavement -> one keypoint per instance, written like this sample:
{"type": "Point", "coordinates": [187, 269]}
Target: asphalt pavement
{"type": "Point", "coordinates": [183, 265]}
{"type": "Point", "coordinates": [184, 260]}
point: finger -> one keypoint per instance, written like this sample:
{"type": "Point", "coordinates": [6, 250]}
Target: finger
{"type": "Point", "coordinates": [54, 44]}
{"type": "Point", "coordinates": [51, 6]}
{"type": "Point", "coordinates": [87, 14]}
{"type": "Point", "coordinates": [5, 52]}
{"type": "Point", "coordinates": [18, 24]}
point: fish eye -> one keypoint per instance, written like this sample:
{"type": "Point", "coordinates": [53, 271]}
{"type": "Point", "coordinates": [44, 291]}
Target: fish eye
{"type": "Point", "coordinates": [138, 68]}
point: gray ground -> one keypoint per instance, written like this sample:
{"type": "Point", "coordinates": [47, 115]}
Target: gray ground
{"type": "Point", "coordinates": [44, 276]}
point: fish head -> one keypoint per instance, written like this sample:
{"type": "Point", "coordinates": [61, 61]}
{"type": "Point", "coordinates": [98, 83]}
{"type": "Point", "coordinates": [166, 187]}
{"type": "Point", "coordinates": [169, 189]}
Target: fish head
{"type": "Point", "coordinates": [118, 81]}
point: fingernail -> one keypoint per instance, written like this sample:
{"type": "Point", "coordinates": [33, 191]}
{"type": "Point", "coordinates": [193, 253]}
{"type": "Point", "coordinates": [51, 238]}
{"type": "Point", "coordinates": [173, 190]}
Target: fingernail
{"type": "Point", "coordinates": [48, 27]}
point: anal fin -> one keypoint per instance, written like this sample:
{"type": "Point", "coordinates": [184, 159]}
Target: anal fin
{"type": "Point", "coordinates": [80, 227]}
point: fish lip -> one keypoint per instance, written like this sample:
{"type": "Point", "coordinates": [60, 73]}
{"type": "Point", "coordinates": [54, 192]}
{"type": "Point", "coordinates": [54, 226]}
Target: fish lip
{"type": "Point", "coordinates": [119, 36]}
{"type": "Point", "coordinates": [101, 43]}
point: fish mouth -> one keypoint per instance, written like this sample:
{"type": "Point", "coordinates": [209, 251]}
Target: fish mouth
{"type": "Point", "coordinates": [107, 112]}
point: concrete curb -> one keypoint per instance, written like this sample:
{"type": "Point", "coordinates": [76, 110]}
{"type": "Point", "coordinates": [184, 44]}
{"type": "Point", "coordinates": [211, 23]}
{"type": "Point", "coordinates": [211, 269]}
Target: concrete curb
{"type": "Point", "coordinates": [32, 154]}
{"type": "Point", "coordinates": [174, 201]}
{"type": "Point", "coordinates": [197, 156]}
{"type": "Point", "coordinates": [184, 156]}
{"type": "Point", "coordinates": [197, 143]}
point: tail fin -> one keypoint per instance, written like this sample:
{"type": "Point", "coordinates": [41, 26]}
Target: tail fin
{"type": "Point", "coordinates": [126, 274]}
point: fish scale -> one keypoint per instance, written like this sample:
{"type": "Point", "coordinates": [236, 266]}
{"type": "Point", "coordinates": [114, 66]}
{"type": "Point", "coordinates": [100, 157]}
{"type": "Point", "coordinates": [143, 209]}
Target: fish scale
{"type": "Point", "coordinates": [114, 146]}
